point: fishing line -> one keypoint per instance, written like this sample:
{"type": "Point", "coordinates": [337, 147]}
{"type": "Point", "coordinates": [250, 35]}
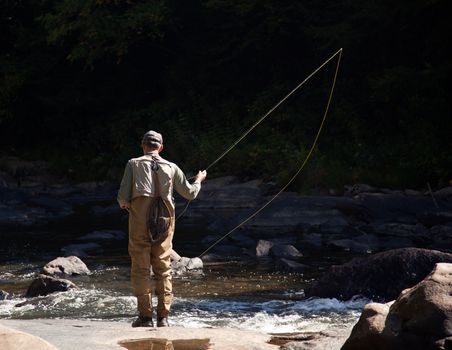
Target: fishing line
{"type": "Point", "coordinates": [308, 156]}
{"type": "Point", "coordinates": [260, 120]}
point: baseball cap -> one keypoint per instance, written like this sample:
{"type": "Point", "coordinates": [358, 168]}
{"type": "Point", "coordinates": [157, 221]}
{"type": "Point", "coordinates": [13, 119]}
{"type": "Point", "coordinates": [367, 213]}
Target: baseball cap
{"type": "Point", "coordinates": [152, 136]}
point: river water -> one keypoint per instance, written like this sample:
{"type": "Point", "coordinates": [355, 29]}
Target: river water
{"type": "Point", "coordinates": [247, 295]}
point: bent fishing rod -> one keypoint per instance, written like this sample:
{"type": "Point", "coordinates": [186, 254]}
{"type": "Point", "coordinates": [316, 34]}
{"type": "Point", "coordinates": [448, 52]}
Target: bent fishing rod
{"type": "Point", "coordinates": [260, 120]}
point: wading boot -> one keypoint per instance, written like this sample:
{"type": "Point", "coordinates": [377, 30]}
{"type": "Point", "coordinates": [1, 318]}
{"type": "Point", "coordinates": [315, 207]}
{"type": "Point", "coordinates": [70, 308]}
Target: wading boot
{"type": "Point", "coordinates": [162, 321]}
{"type": "Point", "coordinates": [143, 321]}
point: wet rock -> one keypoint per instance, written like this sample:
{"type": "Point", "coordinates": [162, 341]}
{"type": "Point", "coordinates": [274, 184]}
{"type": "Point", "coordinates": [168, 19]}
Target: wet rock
{"type": "Point", "coordinates": [44, 285]}
{"type": "Point", "coordinates": [182, 265]}
{"type": "Point", "coordinates": [82, 249]}
{"type": "Point", "coordinates": [174, 255]}
{"type": "Point", "coordinates": [104, 234]}
{"type": "Point", "coordinates": [211, 258]}
{"type": "Point", "coordinates": [227, 250]}
{"type": "Point", "coordinates": [381, 275]}
{"type": "Point", "coordinates": [290, 265]}
{"type": "Point", "coordinates": [291, 212]}
{"type": "Point", "coordinates": [285, 251]}
{"type": "Point", "coordinates": [401, 230]}
{"type": "Point", "coordinates": [394, 207]}
{"type": "Point", "coordinates": [313, 239]}
{"type": "Point", "coordinates": [433, 218]}
{"type": "Point", "coordinates": [242, 239]}
{"type": "Point", "coordinates": [4, 295]}
{"type": "Point", "coordinates": [70, 265]}
{"type": "Point", "coordinates": [420, 318]}
{"type": "Point", "coordinates": [263, 248]}
{"type": "Point", "coordinates": [360, 244]}
{"type": "Point", "coordinates": [195, 264]}
{"type": "Point", "coordinates": [388, 243]}
{"type": "Point", "coordinates": [350, 245]}
{"type": "Point", "coordinates": [112, 209]}
{"type": "Point", "coordinates": [224, 193]}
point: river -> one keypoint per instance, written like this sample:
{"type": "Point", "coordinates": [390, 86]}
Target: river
{"type": "Point", "coordinates": [240, 294]}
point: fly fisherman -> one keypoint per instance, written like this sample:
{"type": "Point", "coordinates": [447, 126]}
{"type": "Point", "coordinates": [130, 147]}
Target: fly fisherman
{"type": "Point", "coordinates": [146, 191]}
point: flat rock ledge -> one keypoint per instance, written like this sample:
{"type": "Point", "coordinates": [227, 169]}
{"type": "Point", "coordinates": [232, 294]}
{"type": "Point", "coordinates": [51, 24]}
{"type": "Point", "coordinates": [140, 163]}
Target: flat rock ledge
{"type": "Point", "coordinates": [67, 334]}
{"type": "Point", "coordinates": [11, 339]}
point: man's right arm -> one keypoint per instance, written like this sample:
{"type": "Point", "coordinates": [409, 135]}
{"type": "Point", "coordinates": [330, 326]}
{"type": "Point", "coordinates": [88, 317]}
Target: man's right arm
{"type": "Point", "coordinates": [125, 189]}
{"type": "Point", "coordinates": [184, 188]}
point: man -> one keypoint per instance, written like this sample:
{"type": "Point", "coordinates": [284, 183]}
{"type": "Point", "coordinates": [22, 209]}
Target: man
{"type": "Point", "coordinates": [146, 191]}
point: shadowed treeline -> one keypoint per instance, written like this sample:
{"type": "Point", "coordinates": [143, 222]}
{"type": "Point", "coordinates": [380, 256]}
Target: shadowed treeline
{"type": "Point", "coordinates": [81, 81]}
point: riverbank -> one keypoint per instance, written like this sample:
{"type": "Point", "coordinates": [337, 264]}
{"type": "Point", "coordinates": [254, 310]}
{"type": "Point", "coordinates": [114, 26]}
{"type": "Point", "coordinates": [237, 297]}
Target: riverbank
{"type": "Point", "coordinates": [103, 335]}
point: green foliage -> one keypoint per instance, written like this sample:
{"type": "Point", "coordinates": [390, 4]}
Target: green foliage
{"type": "Point", "coordinates": [82, 80]}
{"type": "Point", "coordinates": [95, 28]}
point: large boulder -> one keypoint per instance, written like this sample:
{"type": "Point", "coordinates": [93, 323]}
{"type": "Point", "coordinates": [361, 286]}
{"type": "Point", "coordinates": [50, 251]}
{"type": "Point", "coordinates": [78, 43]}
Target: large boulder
{"type": "Point", "coordinates": [420, 318]}
{"type": "Point", "coordinates": [44, 285]}
{"type": "Point", "coordinates": [382, 275]}
{"type": "Point", "coordinates": [70, 265]}
{"type": "Point", "coordinates": [11, 339]}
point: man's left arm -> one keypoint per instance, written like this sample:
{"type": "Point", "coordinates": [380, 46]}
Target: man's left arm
{"type": "Point", "coordinates": [125, 189]}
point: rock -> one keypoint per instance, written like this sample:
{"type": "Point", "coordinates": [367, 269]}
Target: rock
{"type": "Point", "coordinates": [382, 275]}
{"type": "Point", "coordinates": [285, 251]}
{"type": "Point", "coordinates": [227, 250]}
{"type": "Point", "coordinates": [263, 248]}
{"type": "Point", "coordinates": [82, 249]}
{"type": "Point", "coordinates": [291, 212]}
{"type": "Point", "coordinates": [212, 258]}
{"type": "Point", "coordinates": [4, 295]}
{"type": "Point", "coordinates": [104, 234]}
{"type": "Point", "coordinates": [178, 268]}
{"type": "Point", "coordinates": [432, 218]}
{"type": "Point", "coordinates": [420, 318]}
{"type": "Point", "coordinates": [72, 334]}
{"type": "Point", "coordinates": [400, 230]}
{"type": "Point", "coordinates": [181, 265]}
{"type": "Point", "coordinates": [242, 239]}
{"type": "Point", "coordinates": [290, 265]}
{"type": "Point", "coordinates": [393, 207]}
{"type": "Point", "coordinates": [361, 244]}
{"type": "Point", "coordinates": [331, 339]}
{"type": "Point", "coordinates": [194, 264]}
{"type": "Point", "coordinates": [313, 239]}
{"type": "Point", "coordinates": [388, 243]}
{"type": "Point", "coordinates": [112, 209]}
{"type": "Point", "coordinates": [174, 256]}
{"type": "Point", "coordinates": [44, 285]}
{"type": "Point", "coordinates": [70, 265]}
{"type": "Point", "coordinates": [11, 339]}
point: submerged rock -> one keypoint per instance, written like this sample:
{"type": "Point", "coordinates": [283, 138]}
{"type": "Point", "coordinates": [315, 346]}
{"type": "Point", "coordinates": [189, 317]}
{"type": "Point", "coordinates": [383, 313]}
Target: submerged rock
{"type": "Point", "coordinates": [70, 265]}
{"type": "Point", "coordinates": [290, 265]}
{"type": "Point", "coordinates": [420, 318]}
{"type": "Point", "coordinates": [382, 275]}
{"type": "Point", "coordinates": [182, 265]}
{"type": "Point", "coordinates": [285, 251]}
{"type": "Point", "coordinates": [44, 285]}
{"type": "Point", "coordinates": [4, 295]}
{"type": "Point", "coordinates": [82, 249]}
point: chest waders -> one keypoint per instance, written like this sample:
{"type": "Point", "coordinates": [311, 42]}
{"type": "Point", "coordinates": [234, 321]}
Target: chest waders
{"type": "Point", "coordinates": [151, 229]}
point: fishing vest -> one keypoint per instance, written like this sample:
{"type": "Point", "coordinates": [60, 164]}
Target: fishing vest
{"type": "Point", "coordinates": [153, 177]}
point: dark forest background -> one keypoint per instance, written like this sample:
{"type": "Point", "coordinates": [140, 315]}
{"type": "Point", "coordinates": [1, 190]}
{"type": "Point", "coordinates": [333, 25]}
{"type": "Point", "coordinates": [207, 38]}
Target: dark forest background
{"type": "Point", "coordinates": [82, 80]}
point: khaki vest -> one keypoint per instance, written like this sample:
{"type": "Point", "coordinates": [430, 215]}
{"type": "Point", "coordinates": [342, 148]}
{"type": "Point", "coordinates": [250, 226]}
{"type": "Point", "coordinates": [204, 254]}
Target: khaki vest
{"type": "Point", "coordinates": [153, 175]}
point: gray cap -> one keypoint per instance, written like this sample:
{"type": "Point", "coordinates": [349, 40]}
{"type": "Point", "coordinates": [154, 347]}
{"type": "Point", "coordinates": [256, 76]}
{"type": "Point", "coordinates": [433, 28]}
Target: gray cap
{"type": "Point", "coordinates": [152, 136]}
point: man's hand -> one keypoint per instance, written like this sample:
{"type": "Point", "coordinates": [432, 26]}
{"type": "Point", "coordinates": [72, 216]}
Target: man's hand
{"type": "Point", "coordinates": [201, 176]}
{"type": "Point", "coordinates": [125, 206]}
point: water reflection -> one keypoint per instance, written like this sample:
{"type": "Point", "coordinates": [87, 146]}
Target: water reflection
{"type": "Point", "coordinates": [166, 344]}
